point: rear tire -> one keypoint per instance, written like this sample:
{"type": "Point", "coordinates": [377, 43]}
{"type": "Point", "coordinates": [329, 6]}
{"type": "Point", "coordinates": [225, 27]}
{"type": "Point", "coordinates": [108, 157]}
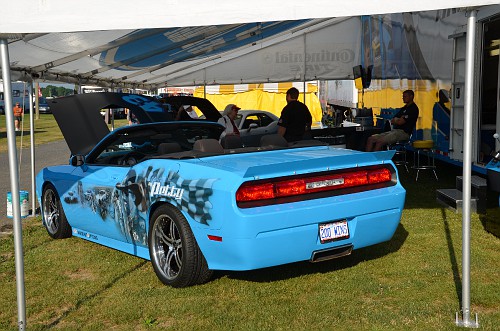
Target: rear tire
{"type": "Point", "coordinates": [53, 216]}
{"type": "Point", "coordinates": [175, 255]}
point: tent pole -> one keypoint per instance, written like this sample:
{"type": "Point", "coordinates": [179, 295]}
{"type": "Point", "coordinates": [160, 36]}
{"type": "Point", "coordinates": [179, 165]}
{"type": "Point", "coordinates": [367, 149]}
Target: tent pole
{"type": "Point", "coordinates": [305, 67]}
{"type": "Point", "coordinates": [32, 149]}
{"type": "Point", "coordinates": [467, 167]}
{"type": "Point", "coordinates": [37, 101]}
{"type": "Point", "coordinates": [204, 83]}
{"type": "Point", "coordinates": [14, 185]}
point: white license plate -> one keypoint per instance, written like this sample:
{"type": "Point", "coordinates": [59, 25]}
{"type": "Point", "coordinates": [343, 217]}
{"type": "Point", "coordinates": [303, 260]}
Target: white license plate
{"type": "Point", "coordinates": [333, 231]}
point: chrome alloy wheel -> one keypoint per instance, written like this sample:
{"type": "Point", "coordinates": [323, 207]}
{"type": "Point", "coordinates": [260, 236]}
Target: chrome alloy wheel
{"type": "Point", "coordinates": [51, 212]}
{"type": "Point", "coordinates": [167, 247]}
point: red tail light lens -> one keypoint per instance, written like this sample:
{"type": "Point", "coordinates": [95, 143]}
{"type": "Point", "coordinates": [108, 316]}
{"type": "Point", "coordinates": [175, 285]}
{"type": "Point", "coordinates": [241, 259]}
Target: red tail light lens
{"type": "Point", "coordinates": [303, 185]}
{"type": "Point", "coordinates": [255, 192]}
{"type": "Point", "coordinates": [379, 176]}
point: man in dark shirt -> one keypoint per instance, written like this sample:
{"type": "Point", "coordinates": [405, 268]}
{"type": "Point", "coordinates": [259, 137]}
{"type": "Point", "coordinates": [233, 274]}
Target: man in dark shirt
{"type": "Point", "coordinates": [403, 124]}
{"type": "Point", "coordinates": [295, 118]}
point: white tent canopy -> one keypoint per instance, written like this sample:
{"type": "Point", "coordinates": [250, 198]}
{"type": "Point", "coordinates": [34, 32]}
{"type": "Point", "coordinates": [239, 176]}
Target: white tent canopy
{"type": "Point", "coordinates": [166, 40]}
{"type": "Point", "coordinates": [43, 16]}
{"type": "Point", "coordinates": [180, 43]}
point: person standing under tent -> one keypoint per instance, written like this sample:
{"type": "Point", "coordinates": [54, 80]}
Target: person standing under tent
{"type": "Point", "coordinates": [132, 119]}
{"type": "Point", "coordinates": [185, 113]}
{"type": "Point", "coordinates": [191, 112]}
{"type": "Point", "coordinates": [295, 120]}
{"type": "Point", "coordinates": [227, 120]}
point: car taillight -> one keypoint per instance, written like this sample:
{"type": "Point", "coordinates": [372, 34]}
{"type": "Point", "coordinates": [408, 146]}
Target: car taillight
{"type": "Point", "coordinates": [309, 184]}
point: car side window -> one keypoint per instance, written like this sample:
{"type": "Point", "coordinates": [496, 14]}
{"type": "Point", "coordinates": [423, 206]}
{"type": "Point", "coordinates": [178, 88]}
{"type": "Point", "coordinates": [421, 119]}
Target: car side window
{"type": "Point", "coordinates": [265, 120]}
{"type": "Point", "coordinates": [249, 120]}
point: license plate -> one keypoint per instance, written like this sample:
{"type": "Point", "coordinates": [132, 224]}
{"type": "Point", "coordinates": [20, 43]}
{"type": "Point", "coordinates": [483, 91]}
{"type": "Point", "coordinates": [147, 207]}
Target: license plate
{"type": "Point", "coordinates": [333, 231]}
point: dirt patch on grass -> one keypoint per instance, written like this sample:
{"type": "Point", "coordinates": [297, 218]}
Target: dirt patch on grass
{"type": "Point", "coordinates": [5, 229]}
{"type": "Point", "coordinates": [80, 274]}
{"type": "Point", "coordinates": [6, 256]}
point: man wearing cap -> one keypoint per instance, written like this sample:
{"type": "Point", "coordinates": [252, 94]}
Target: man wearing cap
{"type": "Point", "coordinates": [295, 118]}
{"type": "Point", "coordinates": [18, 116]}
{"type": "Point", "coordinates": [227, 119]}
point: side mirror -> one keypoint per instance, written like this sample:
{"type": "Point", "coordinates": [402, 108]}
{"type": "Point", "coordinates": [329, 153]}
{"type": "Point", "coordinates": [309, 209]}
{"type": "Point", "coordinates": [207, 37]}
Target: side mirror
{"type": "Point", "coordinates": [77, 160]}
{"type": "Point", "coordinates": [253, 126]}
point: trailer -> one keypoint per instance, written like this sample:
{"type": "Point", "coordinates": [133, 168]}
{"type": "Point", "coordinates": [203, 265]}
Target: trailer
{"type": "Point", "coordinates": [425, 52]}
{"type": "Point", "coordinates": [20, 93]}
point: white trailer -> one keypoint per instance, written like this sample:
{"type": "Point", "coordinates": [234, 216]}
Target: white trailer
{"type": "Point", "coordinates": [20, 93]}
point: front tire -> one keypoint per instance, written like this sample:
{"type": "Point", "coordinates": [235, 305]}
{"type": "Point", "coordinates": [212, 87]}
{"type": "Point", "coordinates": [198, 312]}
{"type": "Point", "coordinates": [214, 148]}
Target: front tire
{"type": "Point", "coordinates": [175, 255]}
{"type": "Point", "coordinates": [53, 215]}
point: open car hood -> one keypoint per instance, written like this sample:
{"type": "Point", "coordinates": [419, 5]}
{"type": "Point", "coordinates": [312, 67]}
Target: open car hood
{"type": "Point", "coordinates": [82, 125]}
{"type": "Point", "coordinates": [80, 120]}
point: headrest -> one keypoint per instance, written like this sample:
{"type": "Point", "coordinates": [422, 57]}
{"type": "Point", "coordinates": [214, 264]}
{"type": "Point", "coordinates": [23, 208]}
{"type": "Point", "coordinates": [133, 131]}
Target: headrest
{"type": "Point", "coordinates": [273, 140]}
{"type": "Point", "coordinates": [208, 145]}
{"type": "Point", "coordinates": [231, 141]}
{"type": "Point", "coordinates": [166, 148]}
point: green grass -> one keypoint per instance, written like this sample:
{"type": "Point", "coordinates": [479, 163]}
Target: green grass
{"type": "Point", "coordinates": [412, 282]}
{"type": "Point", "coordinates": [45, 128]}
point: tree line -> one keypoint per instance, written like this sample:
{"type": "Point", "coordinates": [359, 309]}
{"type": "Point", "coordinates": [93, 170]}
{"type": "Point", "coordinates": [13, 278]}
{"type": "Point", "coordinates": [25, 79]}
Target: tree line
{"type": "Point", "coordinates": [56, 91]}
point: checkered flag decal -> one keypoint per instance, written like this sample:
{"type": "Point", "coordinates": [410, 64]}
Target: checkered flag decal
{"type": "Point", "coordinates": [194, 201]}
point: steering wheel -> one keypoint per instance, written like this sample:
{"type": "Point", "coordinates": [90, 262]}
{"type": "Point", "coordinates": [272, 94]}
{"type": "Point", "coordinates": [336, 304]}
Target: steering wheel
{"type": "Point", "coordinates": [131, 158]}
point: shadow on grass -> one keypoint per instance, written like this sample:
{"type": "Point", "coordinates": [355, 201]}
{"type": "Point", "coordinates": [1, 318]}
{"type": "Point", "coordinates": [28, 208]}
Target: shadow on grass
{"type": "Point", "coordinates": [306, 268]}
{"type": "Point", "coordinates": [82, 301]}
{"type": "Point", "coordinates": [453, 258]}
{"type": "Point", "coordinates": [21, 133]}
{"type": "Point", "coordinates": [491, 221]}
{"type": "Point", "coordinates": [422, 194]}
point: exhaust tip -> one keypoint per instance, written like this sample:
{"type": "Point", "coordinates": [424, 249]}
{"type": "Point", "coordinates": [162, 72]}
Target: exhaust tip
{"type": "Point", "coordinates": [331, 253]}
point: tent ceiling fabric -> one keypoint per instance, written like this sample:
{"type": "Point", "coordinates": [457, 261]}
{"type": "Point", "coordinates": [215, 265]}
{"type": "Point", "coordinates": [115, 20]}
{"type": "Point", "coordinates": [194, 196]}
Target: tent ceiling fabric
{"type": "Point", "coordinates": [151, 45]}
{"type": "Point", "coordinates": [43, 16]}
{"type": "Point", "coordinates": [148, 58]}
{"type": "Point", "coordinates": [304, 56]}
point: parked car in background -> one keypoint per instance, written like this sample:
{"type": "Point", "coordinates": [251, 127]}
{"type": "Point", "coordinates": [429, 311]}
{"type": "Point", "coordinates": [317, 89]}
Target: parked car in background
{"type": "Point", "coordinates": [43, 106]}
{"type": "Point", "coordinates": [253, 124]}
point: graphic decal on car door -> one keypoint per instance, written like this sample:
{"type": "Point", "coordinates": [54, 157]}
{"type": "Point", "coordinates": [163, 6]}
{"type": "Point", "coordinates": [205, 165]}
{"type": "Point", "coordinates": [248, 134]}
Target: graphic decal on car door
{"type": "Point", "coordinates": [128, 202]}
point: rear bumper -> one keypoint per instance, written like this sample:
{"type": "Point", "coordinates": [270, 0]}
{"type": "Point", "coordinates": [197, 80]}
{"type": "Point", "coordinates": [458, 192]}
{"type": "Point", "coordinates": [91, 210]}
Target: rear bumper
{"type": "Point", "coordinates": [299, 243]}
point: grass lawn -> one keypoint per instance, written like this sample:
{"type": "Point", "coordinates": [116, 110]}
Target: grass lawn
{"type": "Point", "coordinates": [412, 282]}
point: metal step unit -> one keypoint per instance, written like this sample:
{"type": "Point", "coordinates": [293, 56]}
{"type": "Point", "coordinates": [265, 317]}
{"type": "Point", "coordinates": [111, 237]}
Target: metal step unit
{"type": "Point", "coordinates": [452, 198]}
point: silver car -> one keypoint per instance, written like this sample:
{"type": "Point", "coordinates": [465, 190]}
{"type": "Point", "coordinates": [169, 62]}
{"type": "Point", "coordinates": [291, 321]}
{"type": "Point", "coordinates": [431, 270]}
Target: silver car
{"type": "Point", "coordinates": [253, 124]}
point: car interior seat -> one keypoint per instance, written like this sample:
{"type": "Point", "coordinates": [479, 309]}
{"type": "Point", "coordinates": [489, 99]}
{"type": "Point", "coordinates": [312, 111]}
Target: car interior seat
{"type": "Point", "coordinates": [273, 140]}
{"type": "Point", "coordinates": [208, 145]}
{"type": "Point", "coordinates": [167, 148]}
{"type": "Point", "coordinates": [231, 141]}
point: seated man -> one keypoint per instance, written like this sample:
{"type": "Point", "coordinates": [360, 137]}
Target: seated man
{"type": "Point", "coordinates": [403, 124]}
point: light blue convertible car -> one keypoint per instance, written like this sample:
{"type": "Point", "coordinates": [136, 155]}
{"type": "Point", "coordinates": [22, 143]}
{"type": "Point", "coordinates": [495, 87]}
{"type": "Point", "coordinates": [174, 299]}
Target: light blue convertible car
{"type": "Point", "coordinates": [170, 193]}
